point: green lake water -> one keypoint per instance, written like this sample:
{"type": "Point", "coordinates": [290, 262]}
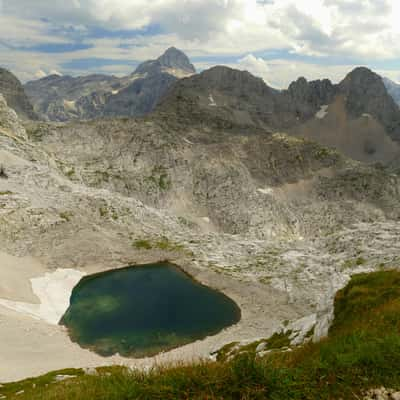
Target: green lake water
{"type": "Point", "coordinates": [143, 310]}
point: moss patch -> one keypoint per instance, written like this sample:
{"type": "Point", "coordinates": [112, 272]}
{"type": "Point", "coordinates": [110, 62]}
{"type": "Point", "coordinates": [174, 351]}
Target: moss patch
{"type": "Point", "coordinates": [162, 243]}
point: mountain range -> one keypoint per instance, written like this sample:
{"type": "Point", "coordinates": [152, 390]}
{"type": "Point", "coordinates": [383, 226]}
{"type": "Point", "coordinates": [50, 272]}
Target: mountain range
{"type": "Point", "coordinates": [358, 116]}
{"type": "Point", "coordinates": [62, 98]}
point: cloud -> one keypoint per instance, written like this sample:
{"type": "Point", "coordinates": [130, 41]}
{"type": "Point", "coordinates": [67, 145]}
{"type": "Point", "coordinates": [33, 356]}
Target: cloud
{"type": "Point", "coordinates": [256, 66]}
{"type": "Point", "coordinates": [280, 73]}
{"type": "Point", "coordinates": [57, 34]}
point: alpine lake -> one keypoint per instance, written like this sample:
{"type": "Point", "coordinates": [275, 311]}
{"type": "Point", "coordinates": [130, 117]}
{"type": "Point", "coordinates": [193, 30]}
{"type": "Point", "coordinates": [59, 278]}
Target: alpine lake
{"type": "Point", "coordinates": [144, 310]}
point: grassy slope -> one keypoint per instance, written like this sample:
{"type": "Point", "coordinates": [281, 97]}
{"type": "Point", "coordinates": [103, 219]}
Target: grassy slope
{"type": "Point", "coordinates": [362, 351]}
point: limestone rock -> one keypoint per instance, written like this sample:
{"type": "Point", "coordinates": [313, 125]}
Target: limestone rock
{"type": "Point", "coordinates": [366, 94]}
{"type": "Point", "coordinates": [13, 92]}
{"type": "Point", "coordinates": [9, 121]}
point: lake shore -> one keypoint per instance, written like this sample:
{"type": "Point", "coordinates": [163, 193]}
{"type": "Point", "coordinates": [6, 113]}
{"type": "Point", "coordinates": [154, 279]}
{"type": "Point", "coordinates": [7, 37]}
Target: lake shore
{"type": "Point", "coordinates": [33, 346]}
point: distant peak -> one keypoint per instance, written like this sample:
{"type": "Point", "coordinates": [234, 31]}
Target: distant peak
{"type": "Point", "coordinates": [362, 74]}
{"type": "Point", "coordinates": [175, 58]}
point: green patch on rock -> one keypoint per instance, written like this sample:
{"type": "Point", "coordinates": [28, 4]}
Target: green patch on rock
{"type": "Point", "coordinates": [354, 262]}
{"type": "Point", "coordinates": [162, 243]}
{"type": "Point", "coordinates": [142, 244]}
{"type": "Point", "coordinates": [160, 178]}
{"type": "Point", "coordinates": [66, 215]}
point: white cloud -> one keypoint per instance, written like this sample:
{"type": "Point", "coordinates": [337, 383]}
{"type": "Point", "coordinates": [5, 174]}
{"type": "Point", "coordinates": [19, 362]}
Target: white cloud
{"type": "Point", "coordinates": [40, 74]}
{"type": "Point", "coordinates": [280, 73]}
{"type": "Point", "coordinates": [364, 30]}
{"type": "Point", "coordinates": [256, 66]}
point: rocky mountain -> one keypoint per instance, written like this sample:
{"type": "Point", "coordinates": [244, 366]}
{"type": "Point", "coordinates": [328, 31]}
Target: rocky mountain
{"type": "Point", "coordinates": [357, 116]}
{"type": "Point", "coordinates": [62, 98]}
{"type": "Point", "coordinates": [278, 222]}
{"type": "Point", "coordinates": [13, 92]}
{"type": "Point", "coordinates": [393, 88]}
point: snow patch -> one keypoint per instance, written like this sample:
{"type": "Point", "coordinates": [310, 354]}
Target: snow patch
{"type": "Point", "coordinates": [266, 190]}
{"type": "Point", "coordinates": [178, 73]}
{"type": "Point", "coordinates": [211, 100]}
{"type": "Point", "coordinates": [53, 290]}
{"type": "Point", "coordinates": [321, 114]}
{"type": "Point", "coordinates": [138, 76]}
{"type": "Point", "coordinates": [369, 116]}
{"type": "Point", "coordinates": [70, 104]}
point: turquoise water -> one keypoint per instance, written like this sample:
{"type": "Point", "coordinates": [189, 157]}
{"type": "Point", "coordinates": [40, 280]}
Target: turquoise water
{"type": "Point", "coordinates": [143, 310]}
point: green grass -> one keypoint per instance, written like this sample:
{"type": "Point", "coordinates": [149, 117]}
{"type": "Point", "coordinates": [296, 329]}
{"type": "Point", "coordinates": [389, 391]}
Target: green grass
{"type": "Point", "coordinates": [66, 215]}
{"type": "Point", "coordinates": [161, 243]}
{"type": "Point", "coordinates": [160, 178]}
{"type": "Point", "coordinates": [70, 173]}
{"type": "Point", "coordinates": [352, 263]}
{"type": "Point", "coordinates": [362, 352]}
{"type": "Point", "coordinates": [142, 244]}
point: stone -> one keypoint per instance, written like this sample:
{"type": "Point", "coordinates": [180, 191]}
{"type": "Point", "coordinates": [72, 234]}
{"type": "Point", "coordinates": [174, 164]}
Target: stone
{"type": "Point", "coordinates": [90, 371]}
{"type": "Point", "coordinates": [261, 347]}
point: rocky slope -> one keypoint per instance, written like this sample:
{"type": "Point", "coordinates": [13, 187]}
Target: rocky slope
{"type": "Point", "coordinates": [278, 222]}
{"type": "Point", "coordinates": [62, 98]}
{"type": "Point", "coordinates": [240, 195]}
{"type": "Point", "coordinates": [13, 92]}
{"type": "Point", "coordinates": [393, 88]}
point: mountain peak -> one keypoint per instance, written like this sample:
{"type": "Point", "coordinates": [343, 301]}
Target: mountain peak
{"type": "Point", "coordinates": [177, 59]}
{"type": "Point", "coordinates": [362, 76]}
{"type": "Point", "coordinates": [13, 92]}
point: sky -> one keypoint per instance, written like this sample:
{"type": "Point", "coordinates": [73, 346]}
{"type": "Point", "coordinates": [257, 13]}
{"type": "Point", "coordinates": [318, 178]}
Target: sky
{"type": "Point", "coordinates": [278, 40]}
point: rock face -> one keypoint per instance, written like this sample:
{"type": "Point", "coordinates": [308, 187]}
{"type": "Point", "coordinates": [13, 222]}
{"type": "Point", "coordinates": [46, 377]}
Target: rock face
{"type": "Point", "coordinates": [357, 116]}
{"type": "Point", "coordinates": [13, 92]}
{"type": "Point", "coordinates": [393, 89]}
{"type": "Point", "coordinates": [9, 121]}
{"type": "Point", "coordinates": [62, 98]}
{"type": "Point", "coordinates": [172, 61]}
{"type": "Point", "coordinates": [225, 98]}
{"type": "Point", "coordinates": [366, 93]}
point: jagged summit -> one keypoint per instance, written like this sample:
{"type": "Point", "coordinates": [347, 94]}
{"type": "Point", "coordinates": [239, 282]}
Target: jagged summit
{"type": "Point", "coordinates": [357, 116]}
{"type": "Point", "coordinates": [14, 94]}
{"type": "Point", "coordinates": [172, 61]}
{"type": "Point", "coordinates": [174, 58]}
{"type": "Point", "coordinates": [231, 79]}
{"type": "Point", "coordinates": [362, 80]}
{"type": "Point", "coordinates": [366, 93]}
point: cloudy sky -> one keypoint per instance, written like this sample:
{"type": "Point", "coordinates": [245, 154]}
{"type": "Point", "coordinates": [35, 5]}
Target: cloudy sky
{"type": "Point", "coordinates": [278, 40]}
